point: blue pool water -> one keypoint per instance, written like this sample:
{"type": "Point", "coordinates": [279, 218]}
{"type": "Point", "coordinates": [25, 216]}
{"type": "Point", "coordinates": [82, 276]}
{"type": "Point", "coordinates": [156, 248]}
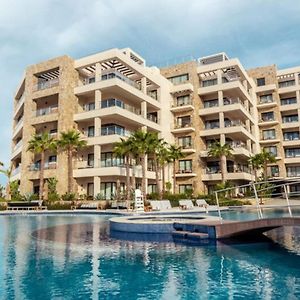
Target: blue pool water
{"type": "Point", "coordinates": [73, 257]}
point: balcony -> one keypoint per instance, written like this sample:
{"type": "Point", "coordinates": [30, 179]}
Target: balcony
{"type": "Point", "coordinates": [16, 173]}
{"type": "Point", "coordinates": [46, 84]}
{"type": "Point", "coordinates": [185, 173]}
{"type": "Point", "coordinates": [46, 111]}
{"type": "Point", "coordinates": [214, 174]}
{"type": "Point", "coordinates": [269, 139]}
{"type": "Point", "coordinates": [266, 88]}
{"type": "Point", "coordinates": [37, 167]}
{"type": "Point", "coordinates": [182, 88]}
{"type": "Point", "coordinates": [187, 148]}
{"type": "Point", "coordinates": [182, 106]}
{"type": "Point", "coordinates": [19, 104]}
{"type": "Point", "coordinates": [234, 123]}
{"type": "Point", "coordinates": [183, 128]}
{"type": "Point", "coordinates": [267, 121]}
{"type": "Point", "coordinates": [290, 124]}
{"type": "Point", "coordinates": [291, 142]}
{"type": "Point", "coordinates": [18, 127]}
{"type": "Point", "coordinates": [17, 149]}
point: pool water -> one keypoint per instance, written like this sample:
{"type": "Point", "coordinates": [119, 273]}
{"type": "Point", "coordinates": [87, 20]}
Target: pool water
{"type": "Point", "coordinates": [74, 257]}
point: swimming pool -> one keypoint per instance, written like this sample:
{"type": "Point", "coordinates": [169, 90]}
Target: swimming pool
{"type": "Point", "coordinates": [73, 257]}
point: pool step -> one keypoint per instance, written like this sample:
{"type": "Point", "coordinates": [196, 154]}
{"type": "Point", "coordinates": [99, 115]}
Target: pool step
{"type": "Point", "coordinates": [189, 235]}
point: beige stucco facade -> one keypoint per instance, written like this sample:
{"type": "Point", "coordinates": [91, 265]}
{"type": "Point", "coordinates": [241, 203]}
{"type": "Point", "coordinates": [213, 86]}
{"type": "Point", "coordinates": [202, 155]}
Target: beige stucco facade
{"type": "Point", "coordinates": [110, 94]}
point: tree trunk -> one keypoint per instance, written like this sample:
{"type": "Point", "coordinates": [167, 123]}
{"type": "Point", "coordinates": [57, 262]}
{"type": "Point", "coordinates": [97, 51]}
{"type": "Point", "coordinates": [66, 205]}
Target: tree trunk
{"type": "Point", "coordinates": [133, 181]}
{"type": "Point", "coordinates": [223, 167]}
{"type": "Point", "coordinates": [143, 176]}
{"type": "Point", "coordinates": [158, 189]}
{"type": "Point", "coordinates": [265, 170]}
{"type": "Point", "coordinates": [127, 178]}
{"type": "Point", "coordinates": [174, 177]}
{"type": "Point", "coordinates": [8, 193]}
{"type": "Point", "coordinates": [163, 180]}
{"type": "Point", "coordinates": [42, 167]}
{"type": "Point", "coordinates": [70, 171]}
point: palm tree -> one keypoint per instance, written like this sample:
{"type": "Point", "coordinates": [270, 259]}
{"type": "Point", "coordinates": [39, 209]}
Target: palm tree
{"type": "Point", "coordinates": [141, 142]}
{"type": "Point", "coordinates": [122, 150]}
{"type": "Point", "coordinates": [220, 151]}
{"type": "Point", "coordinates": [175, 154]}
{"type": "Point", "coordinates": [256, 163]}
{"type": "Point", "coordinates": [163, 160]}
{"type": "Point", "coordinates": [266, 158]}
{"type": "Point", "coordinates": [8, 174]}
{"type": "Point", "coordinates": [70, 142]}
{"type": "Point", "coordinates": [39, 144]}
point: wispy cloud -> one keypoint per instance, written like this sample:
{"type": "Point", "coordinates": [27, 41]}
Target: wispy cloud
{"type": "Point", "coordinates": [258, 32]}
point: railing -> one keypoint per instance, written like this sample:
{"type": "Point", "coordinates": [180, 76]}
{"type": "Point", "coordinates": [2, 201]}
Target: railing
{"type": "Point", "coordinates": [20, 103]}
{"type": "Point", "coordinates": [237, 144]}
{"type": "Point", "coordinates": [89, 106]}
{"type": "Point", "coordinates": [287, 83]}
{"type": "Point", "coordinates": [47, 166]}
{"type": "Point", "coordinates": [230, 101]}
{"type": "Point", "coordinates": [266, 100]}
{"type": "Point", "coordinates": [234, 123]}
{"type": "Point", "coordinates": [186, 146]}
{"type": "Point", "coordinates": [186, 125]}
{"type": "Point", "coordinates": [115, 130]}
{"type": "Point", "coordinates": [184, 103]}
{"type": "Point", "coordinates": [115, 162]}
{"type": "Point", "coordinates": [267, 119]}
{"type": "Point", "coordinates": [209, 104]}
{"type": "Point", "coordinates": [184, 171]}
{"type": "Point", "coordinates": [119, 103]}
{"type": "Point", "coordinates": [16, 171]}
{"type": "Point", "coordinates": [230, 169]}
{"type": "Point", "coordinates": [112, 73]}
{"type": "Point", "coordinates": [152, 118]}
{"type": "Point", "coordinates": [47, 84]}
{"type": "Point", "coordinates": [152, 94]}
{"type": "Point", "coordinates": [85, 164]}
{"type": "Point", "coordinates": [212, 125]}
{"type": "Point", "coordinates": [46, 111]}
{"type": "Point", "coordinates": [18, 145]}
{"type": "Point", "coordinates": [18, 124]}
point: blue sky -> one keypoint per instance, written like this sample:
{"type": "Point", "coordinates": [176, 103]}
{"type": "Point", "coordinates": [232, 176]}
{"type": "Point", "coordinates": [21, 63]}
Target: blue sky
{"type": "Point", "coordinates": [258, 32]}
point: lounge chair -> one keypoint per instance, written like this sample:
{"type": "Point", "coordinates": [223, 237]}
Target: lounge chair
{"type": "Point", "coordinates": [165, 204]}
{"type": "Point", "coordinates": [33, 205]}
{"type": "Point", "coordinates": [202, 203]}
{"type": "Point", "coordinates": [155, 205]}
{"type": "Point", "coordinates": [160, 205]}
{"type": "Point", "coordinates": [186, 204]}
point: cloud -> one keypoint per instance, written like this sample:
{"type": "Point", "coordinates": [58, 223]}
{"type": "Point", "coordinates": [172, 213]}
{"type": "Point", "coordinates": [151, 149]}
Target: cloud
{"type": "Point", "coordinates": [258, 32]}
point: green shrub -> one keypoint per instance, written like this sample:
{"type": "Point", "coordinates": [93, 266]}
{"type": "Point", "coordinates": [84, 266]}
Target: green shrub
{"type": "Point", "coordinates": [53, 197]}
{"type": "Point", "coordinates": [30, 197]}
{"type": "Point", "coordinates": [2, 207]}
{"type": "Point", "coordinates": [68, 197]}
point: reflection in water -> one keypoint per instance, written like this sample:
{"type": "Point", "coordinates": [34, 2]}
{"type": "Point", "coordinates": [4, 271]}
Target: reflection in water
{"type": "Point", "coordinates": [76, 258]}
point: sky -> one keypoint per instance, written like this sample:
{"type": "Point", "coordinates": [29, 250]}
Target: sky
{"type": "Point", "coordinates": [258, 32]}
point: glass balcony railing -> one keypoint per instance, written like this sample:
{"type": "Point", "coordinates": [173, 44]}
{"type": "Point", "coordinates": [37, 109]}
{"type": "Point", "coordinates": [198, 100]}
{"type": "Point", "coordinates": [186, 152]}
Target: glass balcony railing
{"type": "Point", "coordinates": [234, 123]}
{"type": "Point", "coordinates": [182, 103]}
{"type": "Point", "coordinates": [114, 129]}
{"type": "Point", "coordinates": [16, 171]}
{"type": "Point", "coordinates": [213, 125]}
{"type": "Point", "coordinates": [18, 145]}
{"type": "Point", "coordinates": [47, 84]}
{"type": "Point", "coordinates": [46, 111]}
{"type": "Point", "coordinates": [119, 103]}
{"type": "Point", "coordinates": [115, 162]}
{"type": "Point", "coordinates": [47, 166]}
{"type": "Point", "coordinates": [185, 171]}
{"type": "Point", "coordinates": [186, 145]}
{"type": "Point", "coordinates": [183, 125]}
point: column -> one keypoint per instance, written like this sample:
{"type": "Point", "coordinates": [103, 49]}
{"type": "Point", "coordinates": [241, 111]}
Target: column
{"type": "Point", "coordinates": [98, 98]}
{"type": "Point", "coordinates": [144, 85]}
{"type": "Point", "coordinates": [296, 75]}
{"type": "Point", "coordinates": [249, 145]}
{"type": "Point", "coordinates": [159, 92]}
{"type": "Point", "coordinates": [97, 184]}
{"type": "Point", "coordinates": [221, 120]}
{"type": "Point", "coordinates": [222, 139]}
{"type": "Point", "coordinates": [220, 98]}
{"type": "Point", "coordinates": [97, 156]}
{"type": "Point", "coordinates": [219, 76]}
{"type": "Point", "coordinates": [97, 124]}
{"type": "Point", "coordinates": [98, 72]}
{"type": "Point", "coordinates": [144, 109]}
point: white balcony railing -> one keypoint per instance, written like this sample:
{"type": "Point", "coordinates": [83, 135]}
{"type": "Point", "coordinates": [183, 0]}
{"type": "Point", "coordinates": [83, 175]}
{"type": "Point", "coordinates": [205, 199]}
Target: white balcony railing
{"type": "Point", "coordinates": [46, 111]}
{"type": "Point", "coordinates": [18, 145]}
{"type": "Point", "coordinates": [47, 84]}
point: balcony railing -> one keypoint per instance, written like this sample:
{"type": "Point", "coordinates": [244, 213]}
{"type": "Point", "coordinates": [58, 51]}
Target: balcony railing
{"type": "Point", "coordinates": [212, 125]}
{"type": "Point", "coordinates": [152, 94]}
{"type": "Point", "coordinates": [20, 103]}
{"type": "Point", "coordinates": [237, 144]}
{"type": "Point", "coordinates": [112, 73]}
{"type": "Point", "coordinates": [209, 104]}
{"type": "Point", "coordinates": [152, 118]}
{"type": "Point", "coordinates": [185, 125]}
{"type": "Point", "coordinates": [182, 103]}
{"type": "Point", "coordinates": [115, 162]}
{"type": "Point", "coordinates": [46, 111]}
{"type": "Point", "coordinates": [230, 101]}
{"type": "Point", "coordinates": [47, 84]}
{"type": "Point", "coordinates": [16, 171]}
{"type": "Point", "coordinates": [115, 130]}
{"type": "Point", "coordinates": [234, 123]}
{"type": "Point", "coordinates": [267, 119]}
{"type": "Point", "coordinates": [230, 169]}
{"type": "Point", "coordinates": [184, 171]}
{"type": "Point", "coordinates": [37, 167]}
{"type": "Point", "coordinates": [19, 123]}
{"type": "Point", "coordinates": [119, 103]}
{"type": "Point", "coordinates": [18, 145]}
{"type": "Point", "coordinates": [186, 146]}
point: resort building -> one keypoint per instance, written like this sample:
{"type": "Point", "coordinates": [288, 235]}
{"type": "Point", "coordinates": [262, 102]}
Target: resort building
{"type": "Point", "coordinates": [113, 93]}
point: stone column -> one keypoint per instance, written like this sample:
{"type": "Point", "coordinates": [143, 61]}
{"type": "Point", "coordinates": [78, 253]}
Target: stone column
{"type": "Point", "coordinates": [219, 76]}
{"type": "Point", "coordinates": [220, 98]}
{"type": "Point", "coordinates": [144, 85]}
{"type": "Point", "coordinates": [98, 72]}
{"type": "Point", "coordinates": [97, 156]}
{"type": "Point", "coordinates": [221, 120]}
{"type": "Point", "coordinates": [97, 184]}
{"type": "Point", "coordinates": [98, 98]}
{"type": "Point", "coordinates": [97, 124]}
{"type": "Point", "coordinates": [144, 109]}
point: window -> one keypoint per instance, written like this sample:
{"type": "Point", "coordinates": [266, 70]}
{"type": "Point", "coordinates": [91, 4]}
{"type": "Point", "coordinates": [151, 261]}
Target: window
{"type": "Point", "coordinates": [290, 119]}
{"type": "Point", "coordinates": [108, 160]}
{"type": "Point", "coordinates": [179, 78]}
{"type": "Point", "coordinates": [110, 129]}
{"type": "Point", "coordinates": [273, 171]}
{"type": "Point", "coordinates": [293, 171]}
{"type": "Point", "coordinates": [185, 142]}
{"type": "Point", "coordinates": [151, 188]}
{"type": "Point", "coordinates": [185, 166]}
{"type": "Point", "coordinates": [151, 164]}
{"type": "Point", "coordinates": [209, 82]}
{"type": "Point", "coordinates": [90, 161]}
{"type": "Point", "coordinates": [268, 116]}
{"type": "Point", "coordinates": [211, 103]}
{"type": "Point", "coordinates": [288, 101]}
{"type": "Point", "coordinates": [293, 152]}
{"type": "Point", "coordinates": [184, 121]}
{"type": "Point", "coordinates": [183, 188]}
{"type": "Point", "coordinates": [213, 167]}
{"type": "Point", "coordinates": [295, 188]}
{"type": "Point", "coordinates": [286, 83]}
{"type": "Point", "coordinates": [212, 124]}
{"type": "Point", "coordinates": [269, 134]}
{"type": "Point", "coordinates": [53, 131]}
{"type": "Point", "coordinates": [90, 189]}
{"type": "Point", "coordinates": [266, 98]}
{"type": "Point", "coordinates": [89, 106]}
{"type": "Point", "coordinates": [52, 159]}
{"type": "Point", "coordinates": [291, 136]}
{"type": "Point", "coordinates": [183, 100]}
{"type": "Point", "coordinates": [112, 102]}
{"type": "Point", "coordinates": [261, 81]}
{"type": "Point", "coordinates": [108, 189]}
{"type": "Point", "coordinates": [272, 150]}
{"type": "Point", "coordinates": [91, 131]}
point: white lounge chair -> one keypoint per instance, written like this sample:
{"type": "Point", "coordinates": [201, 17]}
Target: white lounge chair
{"type": "Point", "coordinates": [165, 204]}
{"type": "Point", "coordinates": [186, 204]}
{"type": "Point", "coordinates": [155, 205]}
{"type": "Point", "coordinates": [202, 203]}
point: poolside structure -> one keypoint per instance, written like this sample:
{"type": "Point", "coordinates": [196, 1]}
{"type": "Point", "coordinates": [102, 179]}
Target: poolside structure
{"type": "Point", "coordinates": [110, 94]}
